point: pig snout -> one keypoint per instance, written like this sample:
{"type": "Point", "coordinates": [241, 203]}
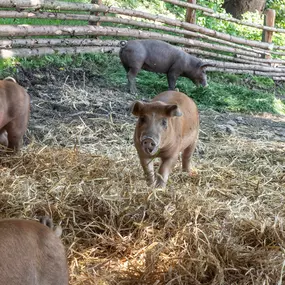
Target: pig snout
{"type": "Point", "coordinates": [201, 82]}
{"type": "Point", "coordinates": [204, 83]}
{"type": "Point", "coordinates": [149, 145]}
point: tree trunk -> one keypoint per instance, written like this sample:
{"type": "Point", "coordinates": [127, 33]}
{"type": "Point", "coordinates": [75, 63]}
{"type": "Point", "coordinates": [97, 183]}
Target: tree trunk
{"type": "Point", "coordinates": [239, 7]}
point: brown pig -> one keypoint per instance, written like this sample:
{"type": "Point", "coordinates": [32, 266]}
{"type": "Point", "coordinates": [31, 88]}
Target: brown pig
{"type": "Point", "coordinates": [31, 254]}
{"type": "Point", "coordinates": [161, 57]}
{"type": "Point", "coordinates": [14, 113]}
{"type": "Point", "coordinates": [166, 126]}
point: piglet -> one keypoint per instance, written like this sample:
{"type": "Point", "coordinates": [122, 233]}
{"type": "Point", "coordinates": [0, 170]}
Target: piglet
{"type": "Point", "coordinates": [31, 253]}
{"type": "Point", "coordinates": [166, 126]}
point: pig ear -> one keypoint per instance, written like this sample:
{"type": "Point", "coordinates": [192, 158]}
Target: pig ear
{"type": "Point", "coordinates": [136, 108]}
{"type": "Point", "coordinates": [173, 111]}
{"type": "Point", "coordinates": [205, 65]}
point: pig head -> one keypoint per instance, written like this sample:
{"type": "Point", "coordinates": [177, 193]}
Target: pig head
{"type": "Point", "coordinates": [14, 113]}
{"type": "Point", "coordinates": [161, 57]}
{"type": "Point", "coordinates": [166, 126]}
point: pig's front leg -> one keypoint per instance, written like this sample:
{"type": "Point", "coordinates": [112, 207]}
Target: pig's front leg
{"type": "Point", "coordinates": [147, 165]}
{"type": "Point", "coordinates": [164, 171]}
{"type": "Point", "coordinates": [172, 78]}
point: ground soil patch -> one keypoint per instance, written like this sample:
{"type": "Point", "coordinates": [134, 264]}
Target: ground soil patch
{"type": "Point", "coordinates": [224, 225]}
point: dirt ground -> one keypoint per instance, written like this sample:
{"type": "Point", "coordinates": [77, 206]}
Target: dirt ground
{"type": "Point", "coordinates": [223, 225]}
{"type": "Point", "coordinates": [73, 108]}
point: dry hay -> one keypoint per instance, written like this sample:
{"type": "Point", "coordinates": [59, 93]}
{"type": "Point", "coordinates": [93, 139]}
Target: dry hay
{"type": "Point", "coordinates": [223, 225]}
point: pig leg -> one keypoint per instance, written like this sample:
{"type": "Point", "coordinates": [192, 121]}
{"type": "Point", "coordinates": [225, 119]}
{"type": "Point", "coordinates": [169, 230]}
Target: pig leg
{"type": "Point", "coordinates": [147, 165]}
{"type": "Point", "coordinates": [172, 78]}
{"type": "Point", "coordinates": [14, 140]}
{"type": "Point", "coordinates": [16, 130]}
{"type": "Point", "coordinates": [164, 170]}
{"type": "Point", "coordinates": [186, 156]}
{"type": "Point", "coordinates": [3, 138]}
{"type": "Point", "coordinates": [132, 73]}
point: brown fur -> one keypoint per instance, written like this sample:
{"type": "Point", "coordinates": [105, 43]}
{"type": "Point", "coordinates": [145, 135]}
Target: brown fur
{"type": "Point", "coordinates": [31, 254]}
{"type": "Point", "coordinates": [14, 113]}
{"type": "Point", "coordinates": [161, 57]}
{"type": "Point", "coordinates": [153, 139]}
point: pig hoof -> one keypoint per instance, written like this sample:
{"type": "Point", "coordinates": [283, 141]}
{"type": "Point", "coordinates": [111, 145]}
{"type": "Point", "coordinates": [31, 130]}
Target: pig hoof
{"type": "Point", "coordinates": [160, 184]}
{"type": "Point", "coordinates": [150, 183]}
{"type": "Point", "coordinates": [133, 92]}
{"type": "Point", "coordinates": [193, 173]}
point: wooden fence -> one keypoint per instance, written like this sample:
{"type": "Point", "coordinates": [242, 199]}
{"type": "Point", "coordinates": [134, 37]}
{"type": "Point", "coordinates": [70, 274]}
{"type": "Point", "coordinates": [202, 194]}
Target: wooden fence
{"type": "Point", "coordinates": [228, 53]}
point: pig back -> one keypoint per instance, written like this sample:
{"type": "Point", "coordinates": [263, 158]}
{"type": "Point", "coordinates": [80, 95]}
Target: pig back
{"type": "Point", "coordinates": [14, 100]}
{"type": "Point", "coordinates": [31, 254]}
{"type": "Point", "coordinates": [151, 55]}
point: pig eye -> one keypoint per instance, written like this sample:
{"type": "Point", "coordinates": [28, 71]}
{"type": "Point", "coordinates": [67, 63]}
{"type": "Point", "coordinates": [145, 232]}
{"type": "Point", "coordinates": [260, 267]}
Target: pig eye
{"type": "Point", "coordinates": [164, 122]}
{"type": "Point", "coordinates": [142, 120]}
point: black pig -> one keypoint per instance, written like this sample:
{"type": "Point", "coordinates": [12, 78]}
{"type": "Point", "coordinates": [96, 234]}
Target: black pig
{"type": "Point", "coordinates": [161, 57]}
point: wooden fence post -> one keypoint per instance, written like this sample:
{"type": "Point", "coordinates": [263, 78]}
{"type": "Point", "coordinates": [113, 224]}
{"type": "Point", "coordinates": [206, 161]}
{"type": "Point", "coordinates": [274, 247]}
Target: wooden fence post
{"type": "Point", "coordinates": [269, 20]}
{"type": "Point", "coordinates": [190, 15]}
{"type": "Point", "coordinates": [95, 23]}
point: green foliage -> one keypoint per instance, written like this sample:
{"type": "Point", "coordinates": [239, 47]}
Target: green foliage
{"type": "Point", "coordinates": [232, 28]}
{"type": "Point", "coordinates": [234, 98]}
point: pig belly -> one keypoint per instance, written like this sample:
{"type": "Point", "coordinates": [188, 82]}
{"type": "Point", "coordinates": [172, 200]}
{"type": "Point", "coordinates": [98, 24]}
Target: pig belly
{"type": "Point", "coordinates": [189, 140]}
{"type": "Point", "coordinates": [155, 67]}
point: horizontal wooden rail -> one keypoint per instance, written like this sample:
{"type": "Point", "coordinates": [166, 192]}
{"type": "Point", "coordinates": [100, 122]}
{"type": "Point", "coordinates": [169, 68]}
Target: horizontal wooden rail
{"type": "Point", "coordinates": [240, 66]}
{"type": "Point", "coordinates": [70, 6]}
{"type": "Point", "coordinates": [61, 16]}
{"type": "Point", "coordinates": [252, 25]}
{"type": "Point", "coordinates": [210, 54]}
{"type": "Point", "coordinates": [70, 42]}
{"type": "Point", "coordinates": [28, 52]}
{"type": "Point", "coordinates": [275, 76]}
{"type": "Point", "coordinates": [212, 13]}
{"type": "Point", "coordinates": [63, 42]}
{"type": "Point", "coordinates": [61, 30]}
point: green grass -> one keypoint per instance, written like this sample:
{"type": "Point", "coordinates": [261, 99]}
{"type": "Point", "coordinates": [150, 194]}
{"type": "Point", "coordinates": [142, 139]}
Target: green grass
{"type": "Point", "coordinates": [226, 92]}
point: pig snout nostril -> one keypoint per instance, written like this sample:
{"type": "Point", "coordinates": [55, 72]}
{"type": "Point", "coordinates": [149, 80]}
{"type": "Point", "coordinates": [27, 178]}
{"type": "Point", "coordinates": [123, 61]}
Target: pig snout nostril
{"type": "Point", "coordinates": [149, 145]}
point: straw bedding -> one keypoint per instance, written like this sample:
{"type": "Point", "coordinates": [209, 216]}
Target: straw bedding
{"type": "Point", "coordinates": [222, 225]}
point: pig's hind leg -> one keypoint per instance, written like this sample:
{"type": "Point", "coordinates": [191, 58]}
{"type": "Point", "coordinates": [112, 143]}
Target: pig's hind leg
{"type": "Point", "coordinates": [132, 73]}
{"type": "Point", "coordinates": [16, 130]}
{"type": "Point", "coordinates": [186, 157]}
